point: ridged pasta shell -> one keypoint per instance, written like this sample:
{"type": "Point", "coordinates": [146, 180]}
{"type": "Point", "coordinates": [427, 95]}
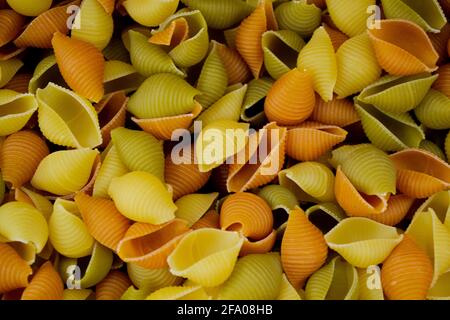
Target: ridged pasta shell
{"type": "Point", "coordinates": [434, 110]}
{"type": "Point", "coordinates": [112, 286]}
{"type": "Point", "coordinates": [363, 242]}
{"type": "Point", "coordinates": [420, 173]}
{"type": "Point", "coordinates": [10, 24]}
{"type": "Point", "coordinates": [39, 32]}
{"type": "Point", "coordinates": [431, 17]}
{"type": "Point", "coordinates": [35, 199]}
{"type": "Point", "coordinates": [433, 237]}
{"type": "Point", "coordinates": [385, 93]}
{"type": "Point", "coordinates": [291, 99]}
{"type": "Point", "coordinates": [65, 172]}
{"type": "Point", "coordinates": [337, 37]}
{"type": "Point", "coordinates": [81, 64]}
{"type": "Point", "coordinates": [215, 256]}
{"type": "Point", "coordinates": [263, 245]}
{"type": "Point", "coordinates": [407, 272]}
{"type": "Point", "coordinates": [311, 140]}
{"type": "Point", "coordinates": [298, 16]}
{"type": "Point", "coordinates": [95, 25]}
{"type": "Point", "coordinates": [140, 196]}
{"type": "Point", "coordinates": [260, 161]}
{"type": "Point", "coordinates": [10, 51]}
{"type": "Point", "coordinates": [193, 206]}
{"type": "Point", "coordinates": [430, 146]}
{"type": "Point", "coordinates": [309, 181]}
{"type": "Point", "coordinates": [185, 178]}
{"type": "Point", "coordinates": [337, 112]}
{"type": "Point", "coordinates": [281, 49]}
{"type": "Point", "coordinates": [78, 294]}
{"type": "Point", "coordinates": [8, 69]}
{"type": "Point", "coordinates": [139, 151]}
{"type": "Point", "coordinates": [350, 17]}
{"type": "Point", "coordinates": [440, 203]}
{"type": "Point", "coordinates": [176, 32]}
{"type": "Point", "coordinates": [14, 271]}
{"type": "Point", "coordinates": [97, 213]}
{"type": "Point", "coordinates": [46, 71]}
{"type": "Point", "coordinates": [287, 291]}
{"type": "Point", "coordinates": [45, 285]}
{"type": "Point", "coordinates": [338, 280]}
{"type": "Point", "coordinates": [210, 219]}
{"type": "Point", "coordinates": [439, 41]}
{"type": "Point", "coordinates": [20, 156]}
{"type": "Point", "coordinates": [352, 54]}
{"type": "Point", "coordinates": [150, 12]}
{"type": "Point", "coordinates": [403, 48]}
{"type": "Point", "coordinates": [389, 131]}
{"type": "Point", "coordinates": [255, 277]}
{"type": "Point", "coordinates": [319, 59]}
{"type": "Point", "coordinates": [369, 284]}
{"type": "Point", "coordinates": [148, 245]}
{"type": "Point", "coordinates": [15, 110]}
{"type": "Point", "coordinates": [21, 222]}
{"type": "Point", "coordinates": [116, 51]}
{"type": "Point", "coordinates": [325, 215]}
{"type": "Point", "coordinates": [179, 293]}
{"type": "Point", "coordinates": [19, 83]}
{"type": "Point", "coordinates": [121, 76]}
{"type": "Point", "coordinates": [253, 107]}
{"type": "Point", "coordinates": [441, 289]}
{"type": "Point", "coordinates": [125, 35]}
{"type": "Point", "coordinates": [29, 9]}
{"type": "Point", "coordinates": [151, 279]}
{"type": "Point", "coordinates": [397, 208]}
{"type": "Point", "coordinates": [112, 114]}
{"type": "Point", "coordinates": [303, 248]}
{"type": "Point", "coordinates": [278, 197]}
{"type": "Point", "coordinates": [442, 83]}
{"type": "Point", "coordinates": [236, 68]}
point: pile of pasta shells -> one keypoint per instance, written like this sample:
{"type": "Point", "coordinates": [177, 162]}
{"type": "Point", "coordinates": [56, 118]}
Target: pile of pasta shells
{"type": "Point", "coordinates": [354, 97]}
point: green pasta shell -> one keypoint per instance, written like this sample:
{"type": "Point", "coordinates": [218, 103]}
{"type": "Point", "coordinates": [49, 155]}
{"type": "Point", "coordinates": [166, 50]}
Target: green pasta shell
{"type": "Point", "coordinates": [221, 14]}
{"type": "Point", "coordinates": [325, 215]}
{"type": "Point", "coordinates": [46, 71]}
{"type": "Point", "coordinates": [121, 76]}
{"type": "Point", "coordinates": [67, 119]}
{"type": "Point", "coordinates": [426, 14]}
{"type": "Point", "coordinates": [298, 16]}
{"type": "Point", "coordinates": [398, 94]}
{"type": "Point", "coordinates": [162, 95]}
{"type": "Point", "coordinates": [387, 131]}
{"type": "Point", "coordinates": [193, 206]}
{"type": "Point", "coordinates": [281, 50]}
{"type": "Point", "coordinates": [253, 108]}
{"type": "Point", "coordinates": [139, 151]}
{"type": "Point", "coordinates": [149, 58]}
{"type": "Point", "coordinates": [433, 148]}
{"type": "Point", "coordinates": [255, 277]}
{"type": "Point", "coordinates": [278, 197]}
{"type": "Point", "coordinates": [434, 110]}
{"type": "Point", "coordinates": [213, 79]}
{"type": "Point", "coordinates": [338, 280]}
{"type": "Point", "coordinates": [368, 168]}
{"type": "Point", "coordinates": [8, 69]}
{"type": "Point", "coordinates": [15, 110]}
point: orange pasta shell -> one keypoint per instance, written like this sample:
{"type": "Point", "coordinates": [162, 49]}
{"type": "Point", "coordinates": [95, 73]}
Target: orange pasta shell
{"type": "Point", "coordinates": [210, 219]}
{"type": "Point", "coordinates": [173, 35]}
{"type": "Point", "coordinates": [439, 41]}
{"type": "Point", "coordinates": [45, 285]}
{"type": "Point", "coordinates": [10, 25]}
{"type": "Point", "coordinates": [261, 246]}
{"type": "Point", "coordinates": [397, 208]}
{"type": "Point", "coordinates": [442, 83]}
{"type": "Point", "coordinates": [337, 37]}
{"type": "Point", "coordinates": [14, 271]}
{"type": "Point", "coordinates": [337, 112]}
{"type": "Point", "coordinates": [113, 286]}
{"type": "Point", "coordinates": [237, 69]}
{"type": "Point", "coordinates": [112, 114]}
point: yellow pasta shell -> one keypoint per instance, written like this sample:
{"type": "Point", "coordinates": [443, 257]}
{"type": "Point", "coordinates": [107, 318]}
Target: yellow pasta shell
{"type": "Point", "coordinates": [179, 293]}
{"type": "Point", "coordinates": [325, 215]}
{"type": "Point", "coordinates": [150, 12]}
{"type": "Point", "coordinates": [350, 17]}
{"type": "Point", "coordinates": [15, 110]}
{"type": "Point", "coordinates": [77, 294]}
{"type": "Point", "coordinates": [46, 71]}
{"type": "Point", "coordinates": [278, 197]}
{"type": "Point", "coordinates": [193, 206]}
{"type": "Point", "coordinates": [29, 9]}
{"type": "Point", "coordinates": [119, 76]}
{"type": "Point", "coordinates": [369, 283]}
{"type": "Point", "coordinates": [287, 291]}
{"type": "Point", "coordinates": [440, 203]}
{"type": "Point", "coordinates": [8, 69]}
{"type": "Point", "coordinates": [433, 112]}
{"type": "Point", "coordinates": [441, 289]}
{"type": "Point", "coordinates": [151, 279]}
{"type": "Point", "coordinates": [298, 16]}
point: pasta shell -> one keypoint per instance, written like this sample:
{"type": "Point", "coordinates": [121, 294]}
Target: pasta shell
{"type": "Point", "coordinates": [77, 294]}
{"type": "Point", "coordinates": [46, 71]}
{"type": "Point", "coordinates": [429, 146]}
{"type": "Point", "coordinates": [139, 151]}
{"type": "Point", "coordinates": [440, 203]}
{"type": "Point", "coordinates": [287, 291]}
{"type": "Point", "coordinates": [121, 76]}
{"type": "Point", "coordinates": [278, 197]}
{"type": "Point", "coordinates": [193, 206]}
{"type": "Point", "coordinates": [350, 17]}
{"type": "Point", "coordinates": [441, 290]}
{"type": "Point", "coordinates": [45, 285]}
{"type": "Point", "coordinates": [310, 140]}
{"type": "Point", "coordinates": [10, 51]}
{"type": "Point", "coordinates": [253, 107]}
{"type": "Point", "coordinates": [14, 271]}
{"type": "Point", "coordinates": [176, 32]}
{"type": "Point", "coordinates": [151, 279]}
{"type": "Point", "coordinates": [39, 32]}
{"type": "Point", "coordinates": [163, 239]}
{"type": "Point", "coordinates": [95, 25]}
{"type": "Point", "coordinates": [179, 293]}
{"type": "Point", "coordinates": [434, 110]}
{"type": "Point", "coordinates": [337, 112]}
{"type": "Point", "coordinates": [81, 64]}
{"type": "Point", "coordinates": [29, 9]}
{"type": "Point", "coordinates": [352, 54]}
{"type": "Point", "coordinates": [262, 159]}
{"type": "Point", "coordinates": [309, 181]}
{"type": "Point", "coordinates": [258, 246]}
{"type": "Point", "coordinates": [38, 201]}
{"type": "Point", "coordinates": [140, 196]}
{"type": "Point", "coordinates": [10, 22]}
{"type": "Point", "coordinates": [21, 222]}
{"type": "Point", "coordinates": [395, 53]}
{"type": "Point", "coordinates": [20, 156]}
{"type": "Point", "coordinates": [281, 50]}
{"type": "Point", "coordinates": [442, 83]}
{"type": "Point", "coordinates": [65, 172]}
{"type": "Point", "coordinates": [98, 212]}
{"type": "Point", "coordinates": [325, 215]}
{"type": "Point", "coordinates": [112, 115]}
{"type": "Point", "coordinates": [303, 248]}
{"type": "Point", "coordinates": [209, 220]}
{"type": "Point", "coordinates": [385, 93]}
{"type": "Point", "coordinates": [369, 284]}
{"type": "Point", "coordinates": [113, 286]}
{"type": "Point", "coordinates": [125, 35]}
{"type": "Point", "coordinates": [389, 131]}
{"type": "Point", "coordinates": [431, 17]}
{"type": "Point", "coordinates": [338, 280]}
{"type": "Point", "coordinates": [407, 272]}
{"type": "Point", "coordinates": [111, 167]}
{"type": "Point", "coordinates": [150, 13]}
{"type": "Point", "coordinates": [319, 59]}
{"type": "Point", "coordinates": [8, 69]}
{"type": "Point", "coordinates": [116, 51]}
{"type": "Point", "coordinates": [439, 41]}
{"type": "Point", "coordinates": [255, 277]}
{"type": "Point", "coordinates": [215, 256]}
{"type": "Point", "coordinates": [433, 237]}
{"type": "Point", "coordinates": [420, 173]}
{"type": "Point", "coordinates": [298, 16]}
{"type": "Point", "coordinates": [15, 110]}
{"type": "Point", "coordinates": [368, 243]}
{"type": "Point", "coordinates": [19, 83]}
{"type": "Point", "coordinates": [337, 37]}
{"type": "Point", "coordinates": [397, 208]}
{"type": "Point", "coordinates": [291, 99]}
{"type": "Point", "coordinates": [236, 68]}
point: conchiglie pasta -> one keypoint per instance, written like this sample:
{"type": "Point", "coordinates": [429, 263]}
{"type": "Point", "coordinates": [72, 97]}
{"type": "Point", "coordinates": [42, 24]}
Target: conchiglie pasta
{"type": "Point", "coordinates": [369, 284]}
{"type": "Point", "coordinates": [298, 16]}
{"type": "Point", "coordinates": [434, 110]}
{"type": "Point", "coordinates": [442, 83]}
{"type": "Point", "coordinates": [150, 12]}
{"type": "Point", "coordinates": [441, 289]}
{"type": "Point", "coordinates": [193, 206]}
{"type": "Point", "coordinates": [179, 293]}
{"type": "Point", "coordinates": [350, 17]}
{"type": "Point", "coordinates": [151, 279]}
{"type": "Point", "coordinates": [119, 76]}
{"type": "Point", "coordinates": [287, 291]}
{"type": "Point", "coordinates": [45, 285]}
{"type": "Point", "coordinates": [30, 9]}
{"type": "Point", "coordinates": [325, 215]}
{"type": "Point", "coordinates": [253, 107]}
{"type": "Point", "coordinates": [10, 22]}
{"type": "Point", "coordinates": [15, 110]}
{"type": "Point", "coordinates": [8, 69]}
{"type": "Point", "coordinates": [278, 197]}
{"type": "Point", "coordinates": [440, 203]}
{"type": "Point", "coordinates": [46, 71]}
{"type": "Point", "coordinates": [337, 112]}
{"type": "Point", "coordinates": [14, 271]}
{"type": "Point", "coordinates": [112, 286]}
{"type": "Point", "coordinates": [236, 68]}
